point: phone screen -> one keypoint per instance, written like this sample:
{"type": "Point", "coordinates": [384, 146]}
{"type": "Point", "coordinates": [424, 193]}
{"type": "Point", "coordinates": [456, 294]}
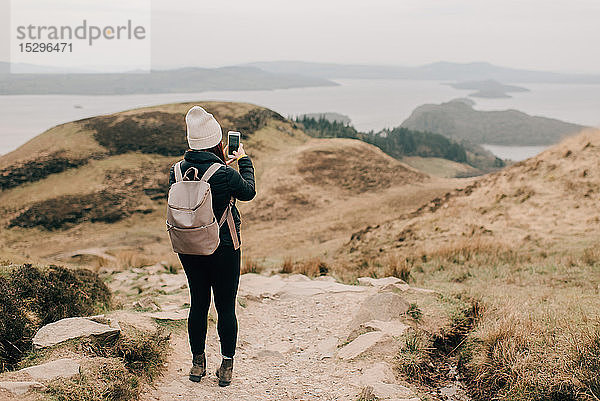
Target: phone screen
{"type": "Point", "coordinates": [233, 140]}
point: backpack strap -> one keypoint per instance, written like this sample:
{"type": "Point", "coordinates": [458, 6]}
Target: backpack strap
{"type": "Point", "coordinates": [227, 215]}
{"type": "Point", "coordinates": [178, 173]}
{"type": "Point", "coordinates": [211, 170]}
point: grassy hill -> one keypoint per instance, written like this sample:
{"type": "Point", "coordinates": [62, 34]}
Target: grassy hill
{"type": "Point", "coordinates": [512, 255]}
{"type": "Point", "coordinates": [401, 142]}
{"type": "Point", "coordinates": [102, 182]}
{"type": "Point", "coordinates": [522, 245]}
{"type": "Point", "coordinates": [458, 120]}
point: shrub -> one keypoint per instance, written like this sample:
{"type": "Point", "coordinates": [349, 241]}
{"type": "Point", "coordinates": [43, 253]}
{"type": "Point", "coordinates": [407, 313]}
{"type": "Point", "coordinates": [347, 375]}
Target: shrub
{"type": "Point", "coordinates": [38, 169]}
{"type": "Point", "coordinates": [100, 379]}
{"type": "Point", "coordinates": [524, 357]}
{"type": "Point", "coordinates": [32, 297]}
{"type": "Point", "coordinates": [143, 352]}
{"type": "Point", "coordinates": [413, 360]}
{"type": "Point", "coordinates": [67, 210]}
{"type": "Point", "coordinates": [16, 329]}
{"type": "Point", "coordinates": [251, 265]}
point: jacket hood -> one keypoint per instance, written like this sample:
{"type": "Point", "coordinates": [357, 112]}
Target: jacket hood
{"type": "Point", "coordinates": [201, 156]}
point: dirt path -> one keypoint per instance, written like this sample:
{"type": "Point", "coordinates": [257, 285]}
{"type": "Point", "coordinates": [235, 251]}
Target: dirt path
{"type": "Point", "coordinates": [291, 330]}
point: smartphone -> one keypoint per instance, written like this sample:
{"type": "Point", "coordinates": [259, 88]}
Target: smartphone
{"type": "Point", "coordinates": [233, 141]}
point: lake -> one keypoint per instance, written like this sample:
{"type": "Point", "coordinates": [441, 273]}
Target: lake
{"type": "Point", "coordinates": [372, 104]}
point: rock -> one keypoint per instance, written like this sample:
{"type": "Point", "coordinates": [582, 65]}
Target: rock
{"type": "Point", "coordinates": [74, 327]}
{"type": "Point", "coordinates": [383, 306]}
{"type": "Point", "coordinates": [379, 282]}
{"type": "Point", "coordinates": [360, 344]}
{"type": "Point", "coordinates": [146, 303]}
{"type": "Point", "coordinates": [178, 314]}
{"type": "Point", "coordinates": [393, 328]}
{"type": "Point", "coordinates": [22, 387]}
{"type": "Point", "coordinates": [267, 353]}
{"type": "Point", "coordinates": [257, 287]}
{"type": "Point", "coordinates": [326, 348]}
{"type": "Point", "coordinates": [391, 390]}
{"type": "Point", "coordinates": [380, 378]}
{"type": "Point", "coordinates": [51, 370]}
{"type": "Point", "coordinates": [380, 372]}
{"type": "Point", "coordinates": [395, 286]}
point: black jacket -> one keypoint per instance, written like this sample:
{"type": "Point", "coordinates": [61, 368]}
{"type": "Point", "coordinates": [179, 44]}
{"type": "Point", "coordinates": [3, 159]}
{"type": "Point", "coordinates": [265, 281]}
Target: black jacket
{"type": "Point", "coordinates": [225, 183]}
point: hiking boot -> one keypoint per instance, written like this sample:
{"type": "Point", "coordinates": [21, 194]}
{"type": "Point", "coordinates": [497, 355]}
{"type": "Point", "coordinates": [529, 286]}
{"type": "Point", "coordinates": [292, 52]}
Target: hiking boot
{"type": "Point", "coordinates": [198, 367]}
{"type": "Point", "coordinates": [225, 372]}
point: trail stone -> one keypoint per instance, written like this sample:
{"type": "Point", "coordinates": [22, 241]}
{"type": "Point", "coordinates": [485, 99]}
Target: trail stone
{"type": "Point", "coordinates": [257, 287]}
{"type": "Point", "coordinates": [360, 344]}
{"type": "Point", "coordinates": [383, 306]}
{"type": "Point", "coordinates": [51, 370]}
{"type": "Point", "coordinates": [146, 303]}
{"type": "Point", "coordinates": [326, 348]}
{"type": "Point", "coordinates": [395, 286]}
{"type": "Point", "coordinates": [380, 378]}
{"type": "Point", "coordinates": [391, 391]}
{"type": "Point", "coordinates": [267, 353]}
{"type": "Point", "coordinates": [393, 328]}
{"type": "Point", "coordinates": [22, 387]}
{"type": "Point", "coordinates": [380, 372]}
{"type": "Point", "coordinates": [379, 282]}
{"type": "Point", "coordinates": [71, 328]}
{"type": "Point", "coordinates": [179, 314]}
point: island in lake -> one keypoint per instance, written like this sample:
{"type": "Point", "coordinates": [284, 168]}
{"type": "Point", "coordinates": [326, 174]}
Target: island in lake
{"type": "Point", "coordinates": [489, 88]}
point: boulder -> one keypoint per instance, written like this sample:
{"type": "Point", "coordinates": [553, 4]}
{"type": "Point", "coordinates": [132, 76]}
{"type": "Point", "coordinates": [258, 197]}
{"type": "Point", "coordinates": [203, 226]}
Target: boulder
{"type": "Point", "coordinates": [74, 327]}
{"type": "Point", "coordinates": [395, 286]}
{"type": "Point", "coordinates": [257, 287]}
{"type": "Point", "coordinates": [360, 344]}
{"type": "Point", "coordinates": [21, 387]}
{"type": "Point", "coordinates": [379, 282]}
{"type": "Point", "coordinates": [177, 314]}
{"type": "Point", "coordinates": [383, 306]}
{"type": "Point", "coordinates": [394, 328]}
{"type": "Point", "coordinates": [51, 370]}
{"type": "Point", "coordinates": [381, 379]}
{"type": "Point", "coordinates": [146, 303]}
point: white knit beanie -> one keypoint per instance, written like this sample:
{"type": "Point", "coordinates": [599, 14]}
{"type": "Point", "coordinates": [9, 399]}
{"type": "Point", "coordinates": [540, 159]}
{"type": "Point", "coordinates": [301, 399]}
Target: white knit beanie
{"type": "Point", "coordinates": [203, 130]}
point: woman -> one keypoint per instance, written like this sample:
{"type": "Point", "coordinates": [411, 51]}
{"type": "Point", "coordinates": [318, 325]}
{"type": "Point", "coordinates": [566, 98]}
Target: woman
{"type": "Point", "coordinates": [221, 270]}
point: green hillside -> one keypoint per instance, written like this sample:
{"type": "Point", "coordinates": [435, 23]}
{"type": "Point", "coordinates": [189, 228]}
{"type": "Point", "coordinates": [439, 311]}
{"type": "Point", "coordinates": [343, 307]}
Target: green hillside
{"type": "Point", "coordinates": [401, 142]}
{"type": "Point", "coordinates": [458, 120]}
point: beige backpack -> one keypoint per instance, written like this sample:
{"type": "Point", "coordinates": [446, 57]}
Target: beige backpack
{"type": "Point", "coordinates": [191, 222]}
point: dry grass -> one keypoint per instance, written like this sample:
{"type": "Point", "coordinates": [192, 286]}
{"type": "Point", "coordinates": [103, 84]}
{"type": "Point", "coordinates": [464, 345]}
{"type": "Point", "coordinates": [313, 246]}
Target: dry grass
{"type": "Point", "coordinates": [311, 267]}
{"type": "Point", "coordinates": [127, 259]}
{"type": "Point", "coordinates": [252, 265]}
{"type": "Point", "coordinates": [356, 171]}
{"type": "Point", "coordinates": [110, 371]}
{"type": "Point", "coordinates": [367, 394]}
{"type": "Point", "coordinates": [414, 357]}
{"type": "Point", "coordinates": [100, 379]}
{"type": "Point", "coordinates": [396, 266]}
{"type": "Point", "coordinates": [515, 355]}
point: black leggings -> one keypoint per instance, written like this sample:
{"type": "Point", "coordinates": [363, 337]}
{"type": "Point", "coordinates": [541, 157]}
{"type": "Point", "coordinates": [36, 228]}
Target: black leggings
{"type": "Point", "coordinates": [221, 271]}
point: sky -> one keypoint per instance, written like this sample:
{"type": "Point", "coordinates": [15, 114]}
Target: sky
{"type": "Point", "coordinates": [557, 35]}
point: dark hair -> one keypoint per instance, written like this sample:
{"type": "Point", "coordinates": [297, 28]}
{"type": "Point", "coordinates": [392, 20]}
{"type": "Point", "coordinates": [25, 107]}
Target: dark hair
{"type": "Point", "coordinates": [218, 151]}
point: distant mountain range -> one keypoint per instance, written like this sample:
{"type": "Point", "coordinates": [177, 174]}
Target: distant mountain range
{"type": "Point", "coordinates": [184, 80]}
{"type": "Point", "coordinates": [458, 120]}
{"type": "Point", "coordinates": [435, 71]}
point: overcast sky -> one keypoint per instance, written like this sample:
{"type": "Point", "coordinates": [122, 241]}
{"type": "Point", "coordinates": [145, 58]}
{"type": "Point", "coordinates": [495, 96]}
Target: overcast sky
{"type": "Point", "coordinates": [560, 35]}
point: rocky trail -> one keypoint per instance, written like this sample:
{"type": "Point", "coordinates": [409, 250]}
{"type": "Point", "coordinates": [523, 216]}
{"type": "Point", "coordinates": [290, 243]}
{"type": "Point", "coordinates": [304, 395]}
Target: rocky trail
{"type": "Point", "coordinates": [299, 338]}
{"type": "Point", "coordinates": [292, 346]}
